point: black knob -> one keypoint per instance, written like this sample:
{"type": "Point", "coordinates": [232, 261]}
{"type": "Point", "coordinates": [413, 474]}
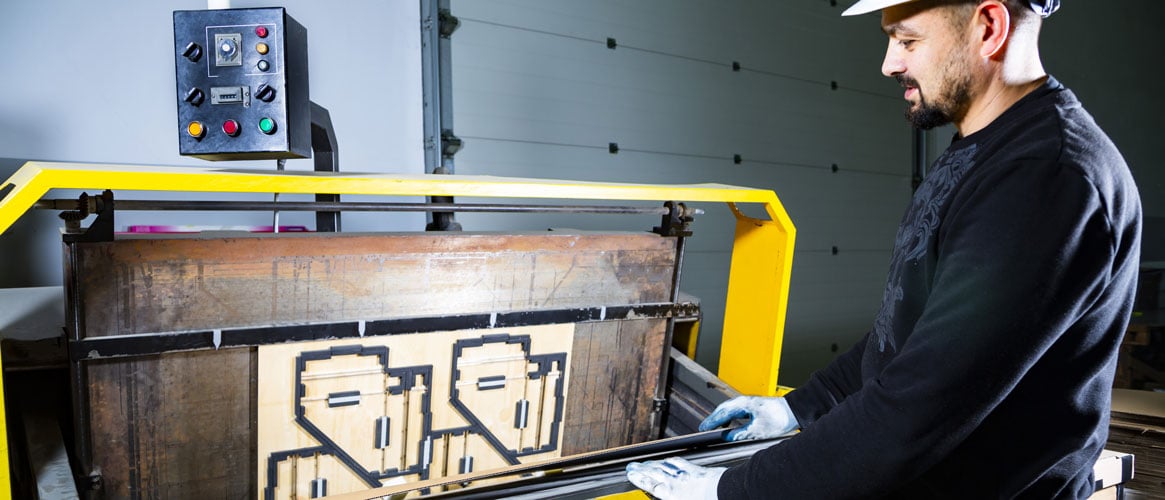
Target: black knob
{"type": "Point", "coordinates": [265, 92]}
{"type": "Point", "coordinates": [195, 96]}
{"type": "Point", "coordinates": [192, 52]}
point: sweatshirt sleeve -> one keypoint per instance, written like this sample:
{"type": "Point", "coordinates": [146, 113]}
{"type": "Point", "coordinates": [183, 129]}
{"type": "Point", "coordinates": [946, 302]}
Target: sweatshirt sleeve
{"type": "Point", "coordinates": [1021, 252]}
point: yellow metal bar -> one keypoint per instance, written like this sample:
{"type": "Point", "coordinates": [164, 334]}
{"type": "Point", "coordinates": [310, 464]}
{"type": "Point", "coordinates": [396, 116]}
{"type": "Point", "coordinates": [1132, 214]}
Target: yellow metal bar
{"type": "Point", "coordinates": [685, 337]}
{"type": "Point", "coordinates": [754, 314]}
{"type": "Point", "coordinates": [762, 257]}
{"type": "Point", "coordinates": [629, 495]}
{"type": "Point", "coordinates": [5, 479]}
{"type": "Point", "coordinates": [35, 178]}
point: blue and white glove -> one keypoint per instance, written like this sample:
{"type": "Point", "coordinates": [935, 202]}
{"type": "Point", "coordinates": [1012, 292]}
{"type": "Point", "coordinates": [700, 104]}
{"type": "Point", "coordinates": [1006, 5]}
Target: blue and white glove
{"type": "Point", "coordinates": [769, 418]}
{"type": "Point", "coordinates": [675, 478]}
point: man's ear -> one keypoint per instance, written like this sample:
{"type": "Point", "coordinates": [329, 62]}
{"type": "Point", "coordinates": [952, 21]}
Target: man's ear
{"type": "Point", "coordinates": [991, 28]}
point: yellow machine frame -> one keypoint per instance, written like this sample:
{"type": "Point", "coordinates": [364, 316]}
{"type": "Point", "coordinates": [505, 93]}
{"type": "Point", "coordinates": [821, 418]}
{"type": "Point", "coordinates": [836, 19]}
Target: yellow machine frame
{"type": "Point", "coordinates": [758, 283]}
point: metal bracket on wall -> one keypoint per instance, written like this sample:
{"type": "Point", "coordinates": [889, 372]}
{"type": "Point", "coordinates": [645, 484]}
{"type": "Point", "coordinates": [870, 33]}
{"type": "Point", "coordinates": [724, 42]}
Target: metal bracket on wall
{"type": "Point", "coordinates": [447, 23]}
{"type": "Point", "coordinates": [327, 159]}
{"type": "Point", "coordinates": [450, 144]}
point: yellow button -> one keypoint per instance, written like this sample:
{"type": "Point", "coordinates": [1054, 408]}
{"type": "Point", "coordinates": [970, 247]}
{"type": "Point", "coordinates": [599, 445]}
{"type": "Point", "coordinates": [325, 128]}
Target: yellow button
{"type": "Point", "coordinates": [261, 47]}
{"type": "Point", "coordinates": [195, 129]}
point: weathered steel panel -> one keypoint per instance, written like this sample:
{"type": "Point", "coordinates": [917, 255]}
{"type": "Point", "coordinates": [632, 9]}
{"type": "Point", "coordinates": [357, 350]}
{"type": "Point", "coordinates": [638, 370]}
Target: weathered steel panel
{"type": "Point", "coordinates": [155, 285]}
{"type": "Point", "coordinates": [179, 425]}
{"type": "Point", "coordinates": [616, 366]}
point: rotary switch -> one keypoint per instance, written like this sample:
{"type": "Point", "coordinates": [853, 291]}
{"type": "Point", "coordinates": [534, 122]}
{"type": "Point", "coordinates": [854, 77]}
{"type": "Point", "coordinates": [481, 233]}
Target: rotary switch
{"type": "Point", "coordinates": [265, 92]}
{"type": "Point", "coordinates": [193, 51]}
{"type": "Point", "coordinates": [195, 96]}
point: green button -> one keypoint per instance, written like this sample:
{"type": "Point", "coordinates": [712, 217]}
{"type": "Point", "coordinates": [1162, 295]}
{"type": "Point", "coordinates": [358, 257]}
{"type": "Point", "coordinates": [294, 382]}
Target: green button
{"type": "Point", "coordinates": [267, 125]}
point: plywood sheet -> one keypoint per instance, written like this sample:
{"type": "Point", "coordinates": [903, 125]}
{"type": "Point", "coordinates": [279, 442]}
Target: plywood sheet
{"type": "Point", "coordinates": [347, 415]}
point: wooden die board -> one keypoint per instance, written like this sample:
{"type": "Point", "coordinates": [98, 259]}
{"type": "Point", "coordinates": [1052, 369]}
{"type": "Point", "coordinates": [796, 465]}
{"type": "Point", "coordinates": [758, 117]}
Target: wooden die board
{"type": "Point", "coordinates": [349, 385]}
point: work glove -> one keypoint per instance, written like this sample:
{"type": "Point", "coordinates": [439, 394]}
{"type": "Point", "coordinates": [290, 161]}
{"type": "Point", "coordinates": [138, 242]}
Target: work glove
{"type": "Point", "coordinates": [675, 478]}
{"type": "Point", "coordinates": [768, 418]}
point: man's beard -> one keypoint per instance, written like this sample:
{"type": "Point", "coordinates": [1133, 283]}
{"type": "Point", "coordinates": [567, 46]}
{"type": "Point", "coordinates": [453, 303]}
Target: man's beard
{"type": "Point", "coordinates": [951, 103]}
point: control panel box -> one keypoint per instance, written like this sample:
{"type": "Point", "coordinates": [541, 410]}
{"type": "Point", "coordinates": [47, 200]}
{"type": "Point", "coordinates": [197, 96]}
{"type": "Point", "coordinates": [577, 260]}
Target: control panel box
{"type": "Point", "coordinates": [242, 84]}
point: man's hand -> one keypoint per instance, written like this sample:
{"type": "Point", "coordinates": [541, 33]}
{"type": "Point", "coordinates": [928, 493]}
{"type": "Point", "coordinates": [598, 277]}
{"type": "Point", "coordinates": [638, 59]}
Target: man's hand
{"type": "Point", "coordinates": [675, 478]}
{"type": "Point", "coordinates": [769, 417]}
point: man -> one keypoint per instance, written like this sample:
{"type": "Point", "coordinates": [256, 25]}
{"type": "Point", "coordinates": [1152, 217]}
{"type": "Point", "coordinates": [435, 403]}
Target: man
{"type": "Point", "coordinates": [988, 370]}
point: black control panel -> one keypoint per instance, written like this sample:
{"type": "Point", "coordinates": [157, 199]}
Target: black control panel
{"type": "Point", "coordinates": [242, 84]}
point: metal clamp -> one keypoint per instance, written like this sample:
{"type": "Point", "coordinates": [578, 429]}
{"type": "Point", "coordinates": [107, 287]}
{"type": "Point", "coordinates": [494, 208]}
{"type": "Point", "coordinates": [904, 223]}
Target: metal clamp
{"type": "Point", "coordinates": [677, 221]}
{"type": "Point", "coordinates": [102, 227]}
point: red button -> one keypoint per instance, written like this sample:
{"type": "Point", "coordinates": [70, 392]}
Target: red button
{"type": "Point", "coordinates": [230, 127]}
{"type": "Point", "coordinates": [261, 31]}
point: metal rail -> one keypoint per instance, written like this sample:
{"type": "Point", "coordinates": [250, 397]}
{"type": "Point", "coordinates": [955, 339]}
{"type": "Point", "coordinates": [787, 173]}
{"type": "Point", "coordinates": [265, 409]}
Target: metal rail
{"type": "Point", "coordinates": [146, 344]}
{"type": "Point", "coordinates": [349, 206]}
{"type": "Point", "coordinates": [670, 445]}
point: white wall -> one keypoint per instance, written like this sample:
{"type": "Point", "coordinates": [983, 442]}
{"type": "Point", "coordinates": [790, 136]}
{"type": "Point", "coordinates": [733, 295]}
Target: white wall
{"type": "Point", "coordinates": [537, 93]}
{"type": "Point", "coordinates": [94, 82]}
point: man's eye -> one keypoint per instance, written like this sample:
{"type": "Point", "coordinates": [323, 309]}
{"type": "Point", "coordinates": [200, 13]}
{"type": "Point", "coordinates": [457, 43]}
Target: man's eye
{"type": "Point", "coordinates": [906, 44]}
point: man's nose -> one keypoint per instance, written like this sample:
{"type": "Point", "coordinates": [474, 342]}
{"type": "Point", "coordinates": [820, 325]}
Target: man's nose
{"type": "Point", "coordinates": [893, 63]}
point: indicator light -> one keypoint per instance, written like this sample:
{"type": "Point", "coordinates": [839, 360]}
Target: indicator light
{"type": "Point", "coordinates": [230, 127]}
{"type": "Point", "coordinates": [261, 48]}
{"type": "Point", "coordinates": [267, 125]}
{"type": "Point", "coordinates": [263, 65]}
{"type": "Point", "coordinates": [195, 129]}
{"type": "Point", "coordinates": [261, 31]}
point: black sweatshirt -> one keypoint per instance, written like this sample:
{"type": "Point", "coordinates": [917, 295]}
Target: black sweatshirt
{"type": "Point", "coordinates": [988, 371]}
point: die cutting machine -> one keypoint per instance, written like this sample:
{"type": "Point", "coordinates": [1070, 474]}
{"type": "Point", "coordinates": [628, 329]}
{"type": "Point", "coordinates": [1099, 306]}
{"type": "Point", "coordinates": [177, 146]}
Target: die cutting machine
{"type": "Point", "coordinates": [303, 365]}
{"type": "Point", "coordinates": [366, 365]}
{"type": "Point", "coordinates": [173, 341]}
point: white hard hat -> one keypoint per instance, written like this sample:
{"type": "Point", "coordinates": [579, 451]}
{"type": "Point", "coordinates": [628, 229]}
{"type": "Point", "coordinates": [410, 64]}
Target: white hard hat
{"type": "Point", "coordinates": [1044, 8]}
{"type": "Point", "coordinates": [867, 6]}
